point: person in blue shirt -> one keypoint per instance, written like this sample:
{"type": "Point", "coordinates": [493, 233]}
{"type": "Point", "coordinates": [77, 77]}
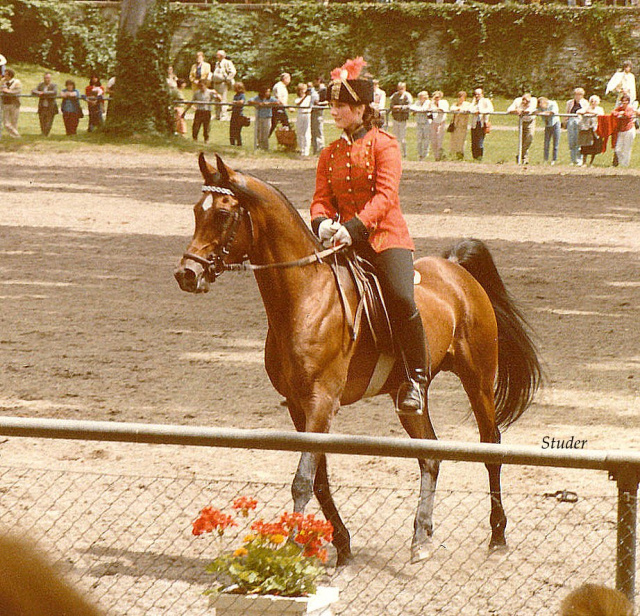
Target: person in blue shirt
{"type": "Point", "coordinates": [264, 104]}
{"type": "Point", "coordinates": [238, 119]}
{"type": "Point", "coordinates": [549, 110]}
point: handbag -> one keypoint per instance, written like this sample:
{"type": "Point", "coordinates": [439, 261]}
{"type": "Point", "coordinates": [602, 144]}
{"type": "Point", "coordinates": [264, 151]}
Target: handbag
{"type": "Point", "coordinates": [451, 127]}
{"type": "Point", "coordinates": [245, 120]}
{"type": "Point", "coordinates": [487, 127]}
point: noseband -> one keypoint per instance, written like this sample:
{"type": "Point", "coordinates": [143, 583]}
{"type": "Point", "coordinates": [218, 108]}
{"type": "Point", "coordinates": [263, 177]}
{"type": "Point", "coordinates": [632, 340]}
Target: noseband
{"type": "Point", "coordinates": [214, 265]}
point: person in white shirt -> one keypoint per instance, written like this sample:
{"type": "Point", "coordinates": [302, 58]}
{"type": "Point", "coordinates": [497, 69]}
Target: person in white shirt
{"type": "Point", "coordinates": [574, 106]}
{"type": "Point", "coordinates": [421, 110]}
{"type": "Point", "coordinates": [439, 109]}
{"type": "Point", "coordinates": [588, 138]}
{"type": "Point", "coordinates": [379, 99]}
{"type": "Point", "coordinates": [481, 107]}
{"type": "Point", "coordinates": [623, 79]}
{"type": "Point", "coordinates": [281, 93]}
{"type": "Point", "coordinates": [303, 119]}
{"type": "Point", "coordinates": [525, 106]}
{"type": "Point", "coordinates": [399, 104]}
{"type": "Point", "coordinates": [223, 78]}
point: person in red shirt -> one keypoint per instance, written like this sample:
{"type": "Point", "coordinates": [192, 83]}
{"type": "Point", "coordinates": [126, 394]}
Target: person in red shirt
{"type": "Point", "coordinates": [356, 203]}
{"type": "Point", "coordinates": [625, 116]}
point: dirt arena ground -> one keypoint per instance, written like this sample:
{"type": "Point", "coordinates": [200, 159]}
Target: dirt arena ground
{"type": "Point", "coordinates": [94, 326]}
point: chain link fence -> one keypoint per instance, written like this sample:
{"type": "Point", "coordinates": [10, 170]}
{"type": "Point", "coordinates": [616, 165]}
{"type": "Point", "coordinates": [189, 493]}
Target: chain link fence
{"type": "Point", "coordinates": [126, 541]}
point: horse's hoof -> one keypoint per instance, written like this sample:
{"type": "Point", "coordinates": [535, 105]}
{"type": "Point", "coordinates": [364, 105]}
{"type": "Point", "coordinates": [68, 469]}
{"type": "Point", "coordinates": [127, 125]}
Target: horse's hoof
{"type": "Point", "coordinates": [344, 559]}
{"type": "Point", "coordinates": [498, 546]}
{"type": "Point", "coordinates": [423, 551]}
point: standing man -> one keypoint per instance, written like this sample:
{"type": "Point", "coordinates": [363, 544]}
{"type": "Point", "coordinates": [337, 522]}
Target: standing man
{"type": "Point", "coordinates": [47, 91]}
{"type": "Point", "coordinates": [319, 103]}
{"type": "Point", "coordinates": [281, 93]}
{"type": "Point", "coordinates": [550, 110]}
{"type": "Point", "coordinates": [481, 107]}
{"type": "Point", "coordinates": [11, 102]}
{"type": "Point", "coordinates": [525, 107]}
{"type": "Point", "coordinates": [200, 71]}
{"type": "Point", "coordinates": [399, 104]}
{"type": "Point", "coordinates": [223, 79]}
{"type": "Point", "coordinates": [202, 97]}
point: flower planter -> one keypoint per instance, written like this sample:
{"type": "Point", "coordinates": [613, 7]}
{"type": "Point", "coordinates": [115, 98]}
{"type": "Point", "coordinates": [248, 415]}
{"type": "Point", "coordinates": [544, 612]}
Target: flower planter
{"type": "Point", "coordinates": [229, 604]}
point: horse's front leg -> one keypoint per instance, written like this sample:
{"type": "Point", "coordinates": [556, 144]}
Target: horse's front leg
{"type": "Point", "coordinates": [312, 478]}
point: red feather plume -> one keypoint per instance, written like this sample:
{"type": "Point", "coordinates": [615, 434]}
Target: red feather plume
{"type": "Point", "coordinates": [351, 69]}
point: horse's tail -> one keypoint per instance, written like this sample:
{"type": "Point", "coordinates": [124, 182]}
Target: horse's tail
{"type": "Point", "coordinates": [519, 369]}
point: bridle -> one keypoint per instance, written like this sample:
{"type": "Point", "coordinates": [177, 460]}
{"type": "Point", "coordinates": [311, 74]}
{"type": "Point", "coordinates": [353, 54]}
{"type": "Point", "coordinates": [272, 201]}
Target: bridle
{"type": "Point", "coordinates": [214, 265]}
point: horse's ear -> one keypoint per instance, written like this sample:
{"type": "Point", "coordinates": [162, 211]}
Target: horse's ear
{"type": "Point", "coordinates": [207, 170]}
{"type": "Point", "coordinates": [226, 173]}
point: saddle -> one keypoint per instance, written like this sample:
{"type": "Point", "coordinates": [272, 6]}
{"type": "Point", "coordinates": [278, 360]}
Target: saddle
{"type": "Point", "coordinates": [370, 303]}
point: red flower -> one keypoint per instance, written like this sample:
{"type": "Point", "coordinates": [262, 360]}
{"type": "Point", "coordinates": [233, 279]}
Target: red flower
{"type": "Point", "coordinates": [245, 504]}
{"type": "Point", "coordinates": [212, 519]}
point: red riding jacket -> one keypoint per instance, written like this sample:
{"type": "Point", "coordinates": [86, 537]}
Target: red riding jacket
{"type": "Point", "coordinates": [361, 178]}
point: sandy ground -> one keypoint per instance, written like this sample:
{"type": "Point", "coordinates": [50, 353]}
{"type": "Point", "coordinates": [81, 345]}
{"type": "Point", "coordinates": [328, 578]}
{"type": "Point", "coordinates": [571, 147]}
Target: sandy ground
{"type": "Point", "coordinates": [93, 326]}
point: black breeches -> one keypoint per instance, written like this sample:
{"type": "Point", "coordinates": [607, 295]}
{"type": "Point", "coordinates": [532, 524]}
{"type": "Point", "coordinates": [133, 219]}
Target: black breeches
{"type": "Point", "coordinates": [395, 272]}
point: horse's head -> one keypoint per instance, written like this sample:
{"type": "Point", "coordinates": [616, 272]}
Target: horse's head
{"type": "Point", "coordinates": [223, 229]}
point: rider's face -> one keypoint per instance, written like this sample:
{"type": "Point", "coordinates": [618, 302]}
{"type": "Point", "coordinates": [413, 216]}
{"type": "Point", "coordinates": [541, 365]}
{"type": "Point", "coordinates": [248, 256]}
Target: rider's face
{"type": "Point", "coordinates": [347, 117]}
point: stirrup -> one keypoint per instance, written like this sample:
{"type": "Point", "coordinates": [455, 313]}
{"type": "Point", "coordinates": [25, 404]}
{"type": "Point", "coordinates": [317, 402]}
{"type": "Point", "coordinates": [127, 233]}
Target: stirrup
{"type": "Point", "coordinates": [406, 394]}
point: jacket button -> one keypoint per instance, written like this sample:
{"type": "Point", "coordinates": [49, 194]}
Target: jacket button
{"type": "Point", "coordinates": [350, 190]}
{"type": "Point", "coordinates": [348, 165]}
{"type": "Point", "coordinates": [370, 176]}
{"type": "Point", "coordinates": [348, 178]}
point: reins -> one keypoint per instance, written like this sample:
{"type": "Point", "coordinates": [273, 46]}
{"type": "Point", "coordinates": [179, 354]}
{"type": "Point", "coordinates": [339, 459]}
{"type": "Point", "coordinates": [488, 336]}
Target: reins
{"type": "Point", "coordinates": [316, 257]}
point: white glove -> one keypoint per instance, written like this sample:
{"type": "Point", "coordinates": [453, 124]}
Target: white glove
{"type": "Point", "coordinates": [342, 236]}
{"type": "Point", "coordinates": [326, 231]}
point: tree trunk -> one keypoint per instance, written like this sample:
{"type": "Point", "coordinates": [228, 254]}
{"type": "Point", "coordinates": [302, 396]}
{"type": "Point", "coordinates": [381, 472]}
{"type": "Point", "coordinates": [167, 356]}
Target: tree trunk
{"type": "Point", "coordinates": [140, 100]}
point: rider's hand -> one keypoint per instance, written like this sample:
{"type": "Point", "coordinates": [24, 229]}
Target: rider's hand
{"type": "Point", "coordinates": [342, 236]}
{"type": "Point", "coordinates": [327, 230]}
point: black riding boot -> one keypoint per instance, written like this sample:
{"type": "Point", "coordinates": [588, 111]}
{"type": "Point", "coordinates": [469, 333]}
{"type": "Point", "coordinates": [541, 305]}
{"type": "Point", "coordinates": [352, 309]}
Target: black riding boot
{"type": "Point", "coordinates": [411, 339]}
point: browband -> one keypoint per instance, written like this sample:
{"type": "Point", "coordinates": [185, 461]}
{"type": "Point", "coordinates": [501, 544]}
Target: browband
{"type": "Point", "coordinates": [217, 189]}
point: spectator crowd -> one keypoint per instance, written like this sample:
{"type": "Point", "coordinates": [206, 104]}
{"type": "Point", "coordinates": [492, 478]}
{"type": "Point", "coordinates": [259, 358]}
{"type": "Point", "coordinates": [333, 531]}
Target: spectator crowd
{"type": "Point", "coordinates": [217, 95]}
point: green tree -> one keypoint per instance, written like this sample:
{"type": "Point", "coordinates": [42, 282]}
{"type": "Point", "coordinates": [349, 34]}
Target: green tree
{"type": "Point", "coordinates": [140, 100]}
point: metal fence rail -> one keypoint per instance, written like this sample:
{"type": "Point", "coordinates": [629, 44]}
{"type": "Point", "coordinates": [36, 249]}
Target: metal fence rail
{"type": "Point", "coordinates": [126, 539]}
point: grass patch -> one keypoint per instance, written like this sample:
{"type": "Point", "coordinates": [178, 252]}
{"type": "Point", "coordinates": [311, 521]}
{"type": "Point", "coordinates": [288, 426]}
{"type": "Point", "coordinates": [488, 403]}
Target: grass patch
{"type": "Point", "coordinates": [500, 145]}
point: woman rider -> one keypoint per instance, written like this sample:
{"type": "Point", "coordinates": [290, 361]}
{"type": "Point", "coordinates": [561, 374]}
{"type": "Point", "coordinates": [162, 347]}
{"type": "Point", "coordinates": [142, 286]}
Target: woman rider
{"type": "Point", "coordinates": [356, 203]}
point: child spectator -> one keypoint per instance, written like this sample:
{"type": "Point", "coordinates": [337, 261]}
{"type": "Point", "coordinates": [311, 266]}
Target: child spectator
{"type": "Point", "coordinates": [71, 110]}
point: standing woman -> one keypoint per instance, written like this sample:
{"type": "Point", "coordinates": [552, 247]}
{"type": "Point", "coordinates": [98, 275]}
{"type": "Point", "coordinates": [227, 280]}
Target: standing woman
{"type": "Point", "coordinates": [94, 95]}
{"type": "Point", "coordinates": [356, 203]}
{"type": "Point", "coordinates": [625, 116]}
{"type": "Point", "coordinates": [238, 119]}
{"type": "Point", "coordinates": [575, 105]}
{"type": "Point", "coordinates": [303, 119]}
{"type": "Point", "coordinates": [71, 110]}
{"type": "Point", "coordinates": [439, 109]}
{"type": "Point", "coordinates": [460, 121]}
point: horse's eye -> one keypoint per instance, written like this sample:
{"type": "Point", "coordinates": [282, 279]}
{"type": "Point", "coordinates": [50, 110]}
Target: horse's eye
{"type": "Point", "coordinates": [221, 216]}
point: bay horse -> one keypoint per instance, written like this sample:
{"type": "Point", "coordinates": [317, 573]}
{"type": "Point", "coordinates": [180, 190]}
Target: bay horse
{"type": "Point", "coordinates": [473, 329]}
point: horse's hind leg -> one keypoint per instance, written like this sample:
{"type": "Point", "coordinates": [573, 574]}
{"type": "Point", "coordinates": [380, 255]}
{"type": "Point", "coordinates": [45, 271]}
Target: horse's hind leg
{"type": "Point", "coordinates": [421, 427]}
{"type": "Point", "coordinates": [479, 389]}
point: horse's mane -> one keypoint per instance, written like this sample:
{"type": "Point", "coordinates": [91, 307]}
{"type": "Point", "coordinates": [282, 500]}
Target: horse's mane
{"type": "Point", "coordinates": [255, 199]}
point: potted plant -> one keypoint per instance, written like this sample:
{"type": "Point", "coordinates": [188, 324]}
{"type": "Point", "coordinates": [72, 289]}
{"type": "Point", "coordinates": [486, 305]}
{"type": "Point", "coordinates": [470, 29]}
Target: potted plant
{"type": "Point", "coordinates": [275, 567]}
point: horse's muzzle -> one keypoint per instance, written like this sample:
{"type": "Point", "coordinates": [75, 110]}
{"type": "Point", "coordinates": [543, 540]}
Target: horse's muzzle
{"type": "Point", "coordinates": [191, 278]}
